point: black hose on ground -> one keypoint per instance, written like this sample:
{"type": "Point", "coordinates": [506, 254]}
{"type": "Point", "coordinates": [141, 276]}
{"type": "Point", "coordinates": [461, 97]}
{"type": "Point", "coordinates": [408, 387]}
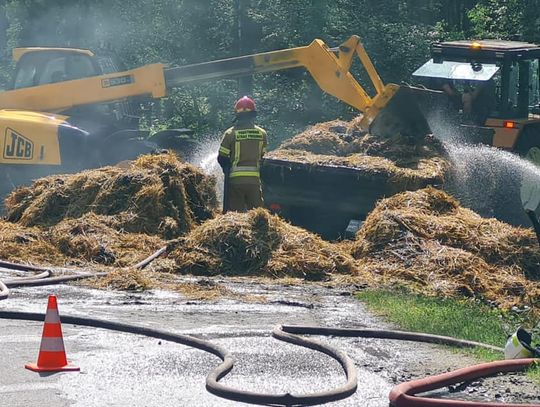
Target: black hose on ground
{"type": "Point", "coordinates": [34, 282]}
{"type": "Point", "coordinates": [4, 285]}
{"type": "Point", "coordinates": [45, 274]}
{"type": "Point", "coordinates": [288, 399]}
{"type": "Point", "coordinates": [4, 291]}
{"type": "Point", "coordinates": [20, 267]}
{"type": "Point", "coordinates": [387, 334]}
{"type": "Point", "coordinates": [44, 278]}
{"type": "Point", "coordinates": [227, 364]}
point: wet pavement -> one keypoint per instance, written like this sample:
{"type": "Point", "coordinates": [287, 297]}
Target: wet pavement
{"type": "Point", "coordinates": [120, 369]}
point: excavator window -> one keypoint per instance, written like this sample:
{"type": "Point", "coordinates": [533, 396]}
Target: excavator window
{"type": "Point", "coordinates": [79, 66]}
{"type": "Point", "coordinates": [54, 71]}
{"type": "Point", "coordinates": [520, 89]}
{"type": "Point", "coordinates": [25, 76]}
{"type": "Point", "coordinates": [534, 94]}
{"type": "Point", "coordinates": [43, 67]}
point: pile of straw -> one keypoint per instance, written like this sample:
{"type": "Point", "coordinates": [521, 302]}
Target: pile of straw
{"type": "Point", "coordinates": [409, 163]}
{"type": "Point", "coordinates": [427, 241]}
{"type": "Point", "coordinates": [98, 239]}
{"type": "Point", "coordinates": [89, 240]}
{"type": "Point", "coordinates": [156, 194]}
{"type": "Point", "coordinates": [110, 216]}
{"type": "Point", "coordinates": [329, 138]}
{"type": "Point", "coordinates": [257, 243]}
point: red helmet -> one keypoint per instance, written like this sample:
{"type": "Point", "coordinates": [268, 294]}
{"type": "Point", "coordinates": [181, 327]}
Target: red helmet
{"type": "Point", "coordinates": [244, 104]}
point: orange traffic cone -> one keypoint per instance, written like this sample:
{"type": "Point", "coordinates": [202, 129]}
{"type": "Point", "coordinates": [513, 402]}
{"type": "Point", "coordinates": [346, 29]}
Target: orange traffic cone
{"type": "Point", "coordinates": [52, 355]}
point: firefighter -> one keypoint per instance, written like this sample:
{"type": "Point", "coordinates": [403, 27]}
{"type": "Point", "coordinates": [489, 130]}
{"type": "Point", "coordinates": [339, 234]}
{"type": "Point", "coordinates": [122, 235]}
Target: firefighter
{"type": "Point", "coordinates": [240, 153]}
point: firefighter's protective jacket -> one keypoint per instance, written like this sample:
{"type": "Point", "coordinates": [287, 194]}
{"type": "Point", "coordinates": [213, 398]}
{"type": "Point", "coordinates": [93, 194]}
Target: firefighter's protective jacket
{"type": "Point", "coordinates": [244, 148]}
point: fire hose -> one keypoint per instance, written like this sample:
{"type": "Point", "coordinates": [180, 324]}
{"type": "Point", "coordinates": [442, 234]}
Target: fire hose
{"type": "Point", "coordinates": [45, 275]}
{"type": "Point", "coordinates": [402, 395]}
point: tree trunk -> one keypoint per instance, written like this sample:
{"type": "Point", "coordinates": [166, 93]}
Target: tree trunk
{"type": "Point", "coordinates": [245, 83]}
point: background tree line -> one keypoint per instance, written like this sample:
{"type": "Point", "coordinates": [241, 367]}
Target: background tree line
{"type": "Point", "coordinates": [396, 33]}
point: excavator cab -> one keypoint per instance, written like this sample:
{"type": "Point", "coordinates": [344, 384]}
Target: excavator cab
{"type": "Point", "coordinates": [36, 66]}
{"type": "Point", "coordinates": [41, 66]}
{"type": "Point", "coordinates": [493, 86]}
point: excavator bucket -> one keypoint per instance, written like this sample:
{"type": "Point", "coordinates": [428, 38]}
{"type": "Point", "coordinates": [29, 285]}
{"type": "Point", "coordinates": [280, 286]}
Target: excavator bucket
{"type": "Point", "coordinates": [400, 115]}
{"type": "Point", "coordinates": [413, 112]}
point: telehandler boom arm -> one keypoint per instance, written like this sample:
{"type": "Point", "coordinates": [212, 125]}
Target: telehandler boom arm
{"type": "Point", "coordinates": [331, 72]}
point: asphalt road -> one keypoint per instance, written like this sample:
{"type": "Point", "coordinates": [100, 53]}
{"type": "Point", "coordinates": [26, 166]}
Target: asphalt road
{"type": "Point", "coordinates": [121, 369]}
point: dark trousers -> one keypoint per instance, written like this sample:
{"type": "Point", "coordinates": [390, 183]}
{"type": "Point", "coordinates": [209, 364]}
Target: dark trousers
{"type": "Point", "coordinates": [243, 197]}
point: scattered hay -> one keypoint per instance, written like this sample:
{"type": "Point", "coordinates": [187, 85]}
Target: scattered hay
{"type": "Point", "coordinates": [126, 279]}
{"type": "Point", "coordinates": [411, 164]}
{"type": "Point", "coordinates": [257, 243]}
{"type": "Point", "coordinates": [27, 245]}
{"type": "Point", "coordinates": [425, 240]}
{"type": "Point", "coordinates": [329, 138]}
{"type": "Point", "coordinates": [100, 239]}
{"type": "Point", "coordinates": [156, 194]}
{"type": "Point", "coordinates": [426, 172]}
{"type": "Point", "coordinates": [204, 290]}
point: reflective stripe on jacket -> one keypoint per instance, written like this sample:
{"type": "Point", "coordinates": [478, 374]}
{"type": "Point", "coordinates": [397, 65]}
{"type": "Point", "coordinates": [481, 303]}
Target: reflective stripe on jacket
{"type": "Point", "coordinates": [244, 147]}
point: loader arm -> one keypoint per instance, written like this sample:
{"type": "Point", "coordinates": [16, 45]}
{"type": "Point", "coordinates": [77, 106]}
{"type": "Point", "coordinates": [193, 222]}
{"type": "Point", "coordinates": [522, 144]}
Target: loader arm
{"type": "Point", "coordinates": [392, 109]}
{"type": "Point", "coordinates": [331, 72]}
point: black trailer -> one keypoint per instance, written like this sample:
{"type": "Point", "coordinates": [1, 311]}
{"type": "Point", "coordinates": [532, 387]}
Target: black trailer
{"type": "Point", "coordinates": [325, 198]}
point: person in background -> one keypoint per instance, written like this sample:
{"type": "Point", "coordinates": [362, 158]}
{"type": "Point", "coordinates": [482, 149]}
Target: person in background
{"type": "Point", "coordinates": [240, 154]}
{"type": "Point", "coordinates": [478, 101]}
{"type": "Point", "coordinates": [453, 94]}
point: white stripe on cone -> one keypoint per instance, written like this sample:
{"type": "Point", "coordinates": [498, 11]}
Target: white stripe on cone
{"type": "Point", "coordinates": [52, 344]}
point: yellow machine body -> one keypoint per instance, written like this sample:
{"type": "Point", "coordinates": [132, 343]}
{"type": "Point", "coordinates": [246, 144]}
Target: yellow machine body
{"type": "Point", "coordinates": [60, 96]}
{"type": "Point", "coordinates": [30, 137]}
{"type": "Point", "coordinates": [507, 136]}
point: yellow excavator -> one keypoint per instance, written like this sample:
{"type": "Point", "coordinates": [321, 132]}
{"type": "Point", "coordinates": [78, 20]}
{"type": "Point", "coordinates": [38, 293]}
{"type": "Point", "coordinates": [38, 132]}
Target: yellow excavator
{"type": "Point", "coordinates": [68, 110]}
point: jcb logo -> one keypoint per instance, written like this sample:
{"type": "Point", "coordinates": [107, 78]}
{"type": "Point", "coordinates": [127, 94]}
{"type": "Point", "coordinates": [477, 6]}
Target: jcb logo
{"type": "Point", "coordinates": [17, 147]}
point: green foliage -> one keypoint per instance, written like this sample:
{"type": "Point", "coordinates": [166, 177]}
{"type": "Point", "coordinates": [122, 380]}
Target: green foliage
{"type": "Point", "coordinates": [497, 19]}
